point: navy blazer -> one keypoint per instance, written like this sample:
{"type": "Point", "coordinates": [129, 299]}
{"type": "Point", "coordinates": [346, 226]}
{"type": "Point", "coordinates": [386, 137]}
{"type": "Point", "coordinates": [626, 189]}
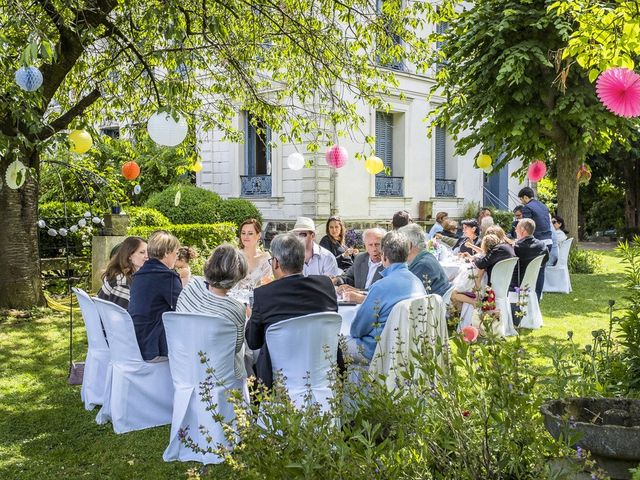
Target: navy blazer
{"type": "Point", "coordinates": [155, 290]}
{"type": "Point", "coordinates": [288, 297]}
{"type": "Point", "coordinates": [539, 213]}
{"type": "Point", "coordinates": [526, 250]}
{"type": "Point", "coordinates": [502, 251]}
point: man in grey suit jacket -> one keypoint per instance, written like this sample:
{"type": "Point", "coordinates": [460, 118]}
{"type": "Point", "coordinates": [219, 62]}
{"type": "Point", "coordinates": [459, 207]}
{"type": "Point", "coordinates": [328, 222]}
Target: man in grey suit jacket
{"type": "Point", "coordinates": [366, 266]}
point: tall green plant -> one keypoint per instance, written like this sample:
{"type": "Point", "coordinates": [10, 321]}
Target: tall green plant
{"type": "Point", "coordinates": [629, 322]}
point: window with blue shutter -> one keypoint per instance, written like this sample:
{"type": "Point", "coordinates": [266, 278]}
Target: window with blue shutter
{"type": "Point", "coordinates": [396, 63]}
{"type": "Point", "coordinates": [257, 179]}
{"type": "Point", "coordinates": [444, 186]}
{"type": "Point", "coordinates": [386, 185]}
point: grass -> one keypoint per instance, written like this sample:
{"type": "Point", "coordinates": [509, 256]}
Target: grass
{"type": "Point", "coordinates": [46, 434]}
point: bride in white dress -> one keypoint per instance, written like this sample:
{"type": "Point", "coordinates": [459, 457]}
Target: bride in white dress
{"type": "Point", "coordinates": [257, 259]}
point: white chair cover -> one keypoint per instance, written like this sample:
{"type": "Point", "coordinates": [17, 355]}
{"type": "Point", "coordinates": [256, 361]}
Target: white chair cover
{"type": "Point", "coordinates": [97, 361]}
{"type": "Point", "coordinates": [138, 394]}
{"type": "Point", "coordinates": [556, 278]}
{"type": "Point", "coordinates": [304, 349]}
{"type": "Point", "coordinates": [500, 281]}
{"type": "Point", "coordinates": [409, 324]}
{"type": "Point", "coordinates": [532, 317]}
{"type": "Point", "coordinates": [188, 334]}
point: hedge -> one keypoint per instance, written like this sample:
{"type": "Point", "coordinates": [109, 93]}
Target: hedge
{"type": "Point", "coordinates": [145, 216]}
{"type": "Point", "coordinates": [205, 237]}
{"type": "Point", "coordinates": [196, 205]}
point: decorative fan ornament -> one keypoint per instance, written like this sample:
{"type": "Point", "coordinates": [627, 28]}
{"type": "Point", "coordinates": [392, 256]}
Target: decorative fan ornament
{"type": "Point", "coordinates": [484, 161]}
{"type": "Point", "coordinates": [295, 161]}
{"type": "Point", "coordinates": [164, 130]}
{"type": "Point", "coordinates": [584, 174]}
{"type": "Point", "coordinates": [130, 170]}
{"type": "Point", "coordinates": [619, 91]}
{"type": "Point", "coordinates": [177, 198]}
{"type": "Point", "coordinates": [28, 78]}
{"type": "Point", "coordinates": [537, 170]}
{"type": "Point", "coordinates": [16, 174]}
{"type": "Point", "coordinates": [373, 165]}
{"type": "Point", "coordinates": [337, 156]}
{"type": "Point", "coordinates": [81, 141]}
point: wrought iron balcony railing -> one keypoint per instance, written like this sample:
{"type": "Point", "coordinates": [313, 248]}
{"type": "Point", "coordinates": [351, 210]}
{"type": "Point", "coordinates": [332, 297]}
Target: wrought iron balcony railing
{"type": "Point", "coordinates": [389, 186]}
{"type": "Point", "coordinates": [445, 188]}
{"type": "Point", "coordinates": [255, 185]}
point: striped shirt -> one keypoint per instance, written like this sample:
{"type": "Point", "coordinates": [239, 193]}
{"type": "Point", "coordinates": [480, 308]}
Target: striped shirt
{"type": "Point", "coordinates": [196, 298]}
{"type": "Point", "coordinates": [115, 291]}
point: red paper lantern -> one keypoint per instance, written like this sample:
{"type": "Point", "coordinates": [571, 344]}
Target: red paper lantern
{"type": "Point", "coordinates": [537, 170]}
{"type": "Point", "coordinates": [337, 156]}
{"type": "Point", "coordinates": [130, 170]}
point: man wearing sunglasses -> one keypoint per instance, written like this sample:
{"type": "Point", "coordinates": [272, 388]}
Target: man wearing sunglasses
{"type": "Point", "coordinates": [317, 260]}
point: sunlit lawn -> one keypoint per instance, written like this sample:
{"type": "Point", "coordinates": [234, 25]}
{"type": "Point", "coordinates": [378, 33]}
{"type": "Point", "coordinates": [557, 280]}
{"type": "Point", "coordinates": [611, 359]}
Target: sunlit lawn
{"type": "Point", "coordinates": [46, 434]}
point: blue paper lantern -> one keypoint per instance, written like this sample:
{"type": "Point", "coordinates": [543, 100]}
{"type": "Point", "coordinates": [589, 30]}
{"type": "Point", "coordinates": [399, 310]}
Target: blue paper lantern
{"type": "Point", "coordinates": [28, 78]}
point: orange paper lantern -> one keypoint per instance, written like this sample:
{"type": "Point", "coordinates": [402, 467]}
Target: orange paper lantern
{"type": "Point", "coordinates": [130, 170]}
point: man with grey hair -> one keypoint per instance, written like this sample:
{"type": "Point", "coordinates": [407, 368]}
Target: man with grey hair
{"type": "Point", "coordinates": [527, 247]}
{"type": "Point", "coordinates": [290, 295]}
{"type": "Point", "coordinates": [366, 268]}
{"type": "Point", "coordinates": [422, 263]}
{"type": "Point", "coordinates": [397, 284]}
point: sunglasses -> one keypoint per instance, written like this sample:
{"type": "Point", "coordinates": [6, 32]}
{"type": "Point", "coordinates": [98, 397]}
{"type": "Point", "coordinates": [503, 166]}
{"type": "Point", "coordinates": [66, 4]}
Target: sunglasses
{"type": "Point", "coordinates": [303, 234]}
{"type": "Point", "coordinates": [554, 221]}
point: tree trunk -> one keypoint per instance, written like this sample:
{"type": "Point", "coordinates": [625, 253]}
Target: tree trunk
{"type": "Point", "coordinates": [568, 190]}
{"type": "Point", "coordinates": [20, 284]}
{"type": "Point", "coordinates": [632, 195]}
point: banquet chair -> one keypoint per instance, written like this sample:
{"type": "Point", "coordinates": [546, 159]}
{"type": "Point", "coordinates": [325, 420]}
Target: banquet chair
{"type": "Point", "coordinates": [532, 317]}
{"type": "Point", "coordinates": [138, 394]}
{"type": "Point", "coordinates": [98, 356]}
{"type": "Point", "coordinates": [304, 349]}
{"type": "Point", "coordinates": [410, 324]}
{"type": "Point", "coordinates": [556, 277]}
{"type": "Point", "coordinates": [187, 335]}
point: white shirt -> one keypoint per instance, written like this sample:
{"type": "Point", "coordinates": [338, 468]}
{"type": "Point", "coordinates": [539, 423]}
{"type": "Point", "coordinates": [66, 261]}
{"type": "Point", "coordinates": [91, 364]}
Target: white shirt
{"type": "Point", "coordinates": [322, 262]}
{"type": "Point", "coordinates": [372, 271]}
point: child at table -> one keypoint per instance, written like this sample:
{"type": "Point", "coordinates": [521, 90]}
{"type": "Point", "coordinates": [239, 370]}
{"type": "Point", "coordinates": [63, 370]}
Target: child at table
{"type": "Point", "coordinates": [185, 255]}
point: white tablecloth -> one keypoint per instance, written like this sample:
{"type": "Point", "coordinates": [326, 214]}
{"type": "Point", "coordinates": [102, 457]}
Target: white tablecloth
{"type": "Point", "coordinates": [452, 267]}
{"type": "Point", "coordinates": [348, 313]}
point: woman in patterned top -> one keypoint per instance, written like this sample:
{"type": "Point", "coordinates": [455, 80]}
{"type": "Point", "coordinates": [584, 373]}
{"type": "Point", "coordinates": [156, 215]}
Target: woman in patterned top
{"type": "Point", "coordinates": [116, 279]}
{"type": "Point", "coordinates": [208, 295]}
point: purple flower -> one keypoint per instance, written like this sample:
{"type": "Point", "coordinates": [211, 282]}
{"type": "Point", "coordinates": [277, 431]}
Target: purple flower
{"type": "Point", "coordinates": [579, 451]}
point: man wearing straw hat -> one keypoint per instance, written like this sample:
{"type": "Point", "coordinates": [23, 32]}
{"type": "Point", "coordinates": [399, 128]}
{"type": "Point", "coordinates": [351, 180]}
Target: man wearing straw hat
{"type": "Point", "coordinates": [317, 260]}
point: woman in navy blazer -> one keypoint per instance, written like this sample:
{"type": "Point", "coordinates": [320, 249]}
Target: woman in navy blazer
{"type": "Point", "coordinates": [154, 291]}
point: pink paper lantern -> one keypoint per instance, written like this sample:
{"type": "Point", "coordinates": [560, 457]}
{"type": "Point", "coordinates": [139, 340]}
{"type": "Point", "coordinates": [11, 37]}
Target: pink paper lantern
{"type": "Point", "coordinates": [337, 156]}
{"type": "Point", "coordinates": [537, 170]}
{"type": "Point", "coordinates": [619, 91]}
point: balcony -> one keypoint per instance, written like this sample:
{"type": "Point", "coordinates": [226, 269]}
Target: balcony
{"type": "Point", "coordinates": [255, 185]}
{"type": "Point", "coordinates": [389, 186]}
{"type": "Point", "coordinates": [445, 188]}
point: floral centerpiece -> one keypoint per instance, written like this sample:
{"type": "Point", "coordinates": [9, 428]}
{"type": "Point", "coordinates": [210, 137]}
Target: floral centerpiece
{"type": "Point", "coordinates": [486, 316]}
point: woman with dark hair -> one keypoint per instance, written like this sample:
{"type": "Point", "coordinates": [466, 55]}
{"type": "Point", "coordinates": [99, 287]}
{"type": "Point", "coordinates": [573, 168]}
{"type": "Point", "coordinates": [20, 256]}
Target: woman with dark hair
{"type": "Point", "coordinates": [334, 242]}
{"type": "Point", "coordinates": [558, 223]}
{"type": "Point", "coordinates": [127, 259]}
{"type": "Point", "coordinates": [259, 270]}
{"type": "Point", "coordinates": [471, 235]}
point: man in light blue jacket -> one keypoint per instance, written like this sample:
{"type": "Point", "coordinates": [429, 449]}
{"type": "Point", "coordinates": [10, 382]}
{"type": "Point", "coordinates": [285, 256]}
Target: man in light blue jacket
{"type": "Point", "coordinates": [397, 284]}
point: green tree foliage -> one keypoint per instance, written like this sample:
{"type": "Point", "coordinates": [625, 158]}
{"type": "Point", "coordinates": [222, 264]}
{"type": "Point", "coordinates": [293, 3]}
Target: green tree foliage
{"type": "Point", "coordinates": [303, 64]}
{"type": "Point", "coordinates": [510, 93]}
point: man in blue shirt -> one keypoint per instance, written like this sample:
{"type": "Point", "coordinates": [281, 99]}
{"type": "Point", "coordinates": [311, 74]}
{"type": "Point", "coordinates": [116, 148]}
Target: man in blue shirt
{"type": "Point", "coordinates": [397, 284]}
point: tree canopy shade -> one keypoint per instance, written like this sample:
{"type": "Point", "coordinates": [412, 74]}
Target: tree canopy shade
{"type": "Point", "coordinates": [299, 64]}
{"type": "Point", "coordinates": [510, 93]}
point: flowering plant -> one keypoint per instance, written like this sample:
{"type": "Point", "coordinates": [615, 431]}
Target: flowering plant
{"type": "Point", "coordinates": [521, 302]}
{"type": "Point", "coordinates": [488, 301]}
{"type": "Point", "coordinates": [352, 238]}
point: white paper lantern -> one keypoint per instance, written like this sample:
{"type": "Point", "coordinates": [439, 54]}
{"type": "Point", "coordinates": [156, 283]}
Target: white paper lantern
{"type": "Point", "coordinates": [164, 130]}
{"type": "Point", "coordinates": [82, 222]}
{"type": "Point", "coordinates": [96, 220]}
{"type": "Point", "coordinates": [295, 161]}
{"type": "Point", "coordinates": [87, 214]}
{"type": "Point", "coordinates": [52, 232]}
{"type": "Point", "coordinates": [42, 223]}
{"type": "Point", "coordinates": [73, 228]}
{"type": "Point", "coordinates": [16, 174]}
{"type": "Point", "coordinates": [28, 78]}
{"type": "Point", "coordinates": [62, 232]}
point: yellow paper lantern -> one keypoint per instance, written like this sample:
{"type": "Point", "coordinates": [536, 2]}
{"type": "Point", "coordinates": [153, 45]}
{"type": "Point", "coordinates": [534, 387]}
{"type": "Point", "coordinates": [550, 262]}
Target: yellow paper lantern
{"type": "Point", "coordinates": [196, 167]}
{"type": "Point", "coordinates": [373, 165]}
{"type": "Point", "coordinates": [80, 141]}
{"type": "Point", "coordinates": [484, 161]}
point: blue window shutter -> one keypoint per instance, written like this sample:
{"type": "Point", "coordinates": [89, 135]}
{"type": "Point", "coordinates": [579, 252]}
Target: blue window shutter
{"type": "Point", "coordinates": [441, 153]}
{"type": "Point", "coordinates": [384, 139]}
{"type": "Point", "coordinates": [250, 146]}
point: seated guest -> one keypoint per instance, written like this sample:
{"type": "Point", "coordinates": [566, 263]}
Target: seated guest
{"type": "Point", "coordinates": [485, 223]}
{"type": "Point", "coordinates": [558, 224]}
{"type": "Point", "coordinates": [527, 248]}
{"type": "Point", "coordinates": [498, 232]}
{"type": "Point", "coordinates": [291, 295]}
{"type": "Point", "coordinates": [154, 290]}
{"type": "Point", "coordinates": [397, 284]}
{"type": "Point", "coordinates": [317, 260]}
{"type": "Point", "coordinates": [185, 255]}
{"type": "Point", "coordinates": [470, 234]}
{"type": "Point", "coordinates": [366, 267]}
{"type": "Point", "coordinates": [517, 216]}
{"type": "Point", "coordinates": [423, 264]}
{"type": "Point", "coordinates": [493, 250]}
{"type": "Point", "coordinates": [208, 295]}
{"type": "Point", "coordinates": [116, 279]}
{"type": "Point", "coordinates": [334, 242]}
{"type": "Point", "coordinates": [484, 212]}
{"type": "Point", "coordinates": [438, 226]}
{"type": "Point", "coordinates": [400, 219]}
{"type": "Point", "coordinates": [539, 213]}
{"type": "Point", "coordinates": [257, 259]}
{"type": "Point", "coordinates": [449, 235]}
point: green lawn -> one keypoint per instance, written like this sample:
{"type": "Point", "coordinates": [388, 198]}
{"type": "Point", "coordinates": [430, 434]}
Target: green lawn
{"type": "Point", "coordinates": [46, 434]}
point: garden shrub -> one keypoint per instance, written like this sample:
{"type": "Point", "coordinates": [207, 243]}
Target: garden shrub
{"type": "Point", "coordinates": [237, 210]}
{"type": "Point", "coordinates": [504, 218]}
{"type": "Point", "coordinates": [196, 205]}
{"type": "Point", "coordinates": [470, 210]}
{"type": "Point", "coordinates": [146, 216]}
{"type": "Point", "coordinates": [583, 261]}
{"type": "Point", "coordinates": [204, 237]}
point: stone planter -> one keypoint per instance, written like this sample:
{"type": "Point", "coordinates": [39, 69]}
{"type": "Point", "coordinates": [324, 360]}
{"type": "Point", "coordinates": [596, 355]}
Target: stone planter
{"type": "Point", "coordinates": [609, 428]}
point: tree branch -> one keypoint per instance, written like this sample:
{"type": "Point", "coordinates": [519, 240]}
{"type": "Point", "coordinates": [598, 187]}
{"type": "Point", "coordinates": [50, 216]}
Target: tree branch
{"type": "Point", "coordinates": [63, 121]}
{"type": "Point", "coordinates": [55, 17]}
